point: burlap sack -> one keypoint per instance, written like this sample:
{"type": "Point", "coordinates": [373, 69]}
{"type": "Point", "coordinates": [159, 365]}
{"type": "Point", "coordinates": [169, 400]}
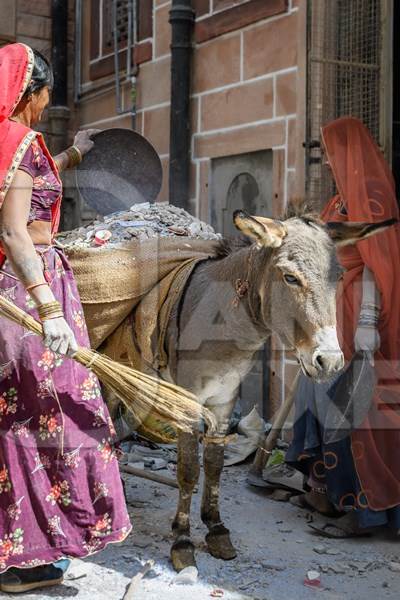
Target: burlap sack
{"type": "Point", "coordinates": [112, 281]}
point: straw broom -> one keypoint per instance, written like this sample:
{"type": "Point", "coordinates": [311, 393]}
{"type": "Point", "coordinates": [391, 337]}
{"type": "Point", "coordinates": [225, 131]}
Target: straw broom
{"type": "Point", "coordinates": [141, 394]}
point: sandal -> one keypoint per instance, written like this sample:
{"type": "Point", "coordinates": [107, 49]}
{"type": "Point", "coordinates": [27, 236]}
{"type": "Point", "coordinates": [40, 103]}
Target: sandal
{"type": "Point", "coordinates": [18, 581]}
{"type": "Point", "coordinates": [344, 528]}
{"type": "Point", "coordinates": [301, 502]}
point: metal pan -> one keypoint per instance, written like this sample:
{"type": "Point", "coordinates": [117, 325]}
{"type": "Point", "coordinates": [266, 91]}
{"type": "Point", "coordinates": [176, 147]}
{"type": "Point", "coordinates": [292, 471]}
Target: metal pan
{"type": "Point", "coordinates": [122, 169]}
{"type": "Point", "coordinates": [351, 398]}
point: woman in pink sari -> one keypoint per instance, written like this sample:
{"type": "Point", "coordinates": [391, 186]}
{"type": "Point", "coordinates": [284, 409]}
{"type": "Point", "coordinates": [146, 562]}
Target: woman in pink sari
{"type": "Point", "coordinates": [60, 490]}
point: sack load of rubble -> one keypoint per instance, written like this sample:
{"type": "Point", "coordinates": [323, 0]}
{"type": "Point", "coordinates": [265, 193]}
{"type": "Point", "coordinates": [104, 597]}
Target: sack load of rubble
{"type": "Point", "coordinates": [131, 267]}
{"type": "Point", "coordinates": [141, 222]}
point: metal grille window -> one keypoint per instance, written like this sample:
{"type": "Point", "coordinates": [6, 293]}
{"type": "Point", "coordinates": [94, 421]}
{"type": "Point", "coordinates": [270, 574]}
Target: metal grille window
{"type": "Point", "coordinates": [122, 16]}
{"type": "Point", "coordinates": [345, 41]}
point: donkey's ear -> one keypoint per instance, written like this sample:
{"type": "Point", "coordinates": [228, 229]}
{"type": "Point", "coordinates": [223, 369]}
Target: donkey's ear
{"type": "Point", "coordinates": [345, 234]}
{"type": "Point", "coordinates": [266, 232]}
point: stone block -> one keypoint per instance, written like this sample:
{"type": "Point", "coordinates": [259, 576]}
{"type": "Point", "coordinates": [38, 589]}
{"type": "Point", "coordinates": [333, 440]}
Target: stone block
{"type": "Point", "coordinates": [194, 166]}
{"type": "Point", "coordinates": [194, 115]}
{"type": "Point", "coordinates": [157, 127]}
{"type": "Point", "coordinates": [96, 109]}
{"type": "Point", "coordinates": [286, 94]}
{"type": "Point", "coordinates": [201, 7]}
{"type": "Point", "coordinates": [34, 26]}
{"type": "Point", "coordinates": [292, 142]}
{"type": "Point", "coordinates": [8, 21]}
{"type": "Point", "coordinates": [270, 47]}
{"type": "Point", "coordinates": [35, 7]}
{"type": "Point", "coordinates": [163, 196]}
{"type": "Point", "coordinates": [216, 64]}
{"type": "Point", "coordinates": [238, 141]}
{"type": "Point", "coordinates": [204, 195]}
{"type": "Point", "coordinates": [154, 83]}
{"type": "Point", "coordinates": [162, 31]}
{"type": "Point", "coordinates": [291, 185]}
{"type": "Point", "coordinates": [238, 105]}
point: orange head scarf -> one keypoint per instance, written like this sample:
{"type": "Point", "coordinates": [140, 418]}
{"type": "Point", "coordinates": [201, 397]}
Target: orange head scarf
{"type": "Point", "coordinates": [367, 193]}
{"type": "Point", "coordinates": [16, 67]}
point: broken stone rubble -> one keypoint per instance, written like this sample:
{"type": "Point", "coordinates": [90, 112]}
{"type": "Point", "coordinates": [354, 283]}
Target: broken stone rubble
{"type": "Point", "coordinates": [141, 222]}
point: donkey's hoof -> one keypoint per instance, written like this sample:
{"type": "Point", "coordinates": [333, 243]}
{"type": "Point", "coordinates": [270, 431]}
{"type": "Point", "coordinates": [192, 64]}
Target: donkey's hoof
{"type": "Point", "coordinates": [219, 543]}
{"type": "Point", "coordinates": [182, 554]}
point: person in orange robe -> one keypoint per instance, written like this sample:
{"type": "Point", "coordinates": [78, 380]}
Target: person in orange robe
{"type": "Point", "coordinates": [362, 472]}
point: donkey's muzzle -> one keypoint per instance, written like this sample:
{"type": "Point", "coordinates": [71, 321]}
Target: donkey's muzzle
{"type": "Point", "coordinates": [327, 364]}
{"type": "Point", "coordinates": [325, 357]}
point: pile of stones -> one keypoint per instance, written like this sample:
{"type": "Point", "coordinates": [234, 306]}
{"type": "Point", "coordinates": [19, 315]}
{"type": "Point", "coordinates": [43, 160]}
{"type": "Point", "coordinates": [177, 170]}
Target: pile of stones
{"type": "Point", "coordinates": [141, 222]}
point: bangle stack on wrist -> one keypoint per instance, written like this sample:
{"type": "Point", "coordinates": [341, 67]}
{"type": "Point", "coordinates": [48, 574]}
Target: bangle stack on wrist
{"type": "Point", "coordinates": [50, 310]}
{"type": "Point", "coordinates": [74, 156]}
{"type": "Point", "coordinates": [369, 316]}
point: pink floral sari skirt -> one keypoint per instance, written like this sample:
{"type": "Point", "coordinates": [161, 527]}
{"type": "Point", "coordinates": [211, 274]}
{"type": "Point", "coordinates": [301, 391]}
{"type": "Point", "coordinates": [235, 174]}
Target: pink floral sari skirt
{"type": "Point", "coordinates": [60, 488]}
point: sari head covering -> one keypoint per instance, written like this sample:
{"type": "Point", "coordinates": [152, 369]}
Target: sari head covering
{"type": "Point", "coordinates": [16, 67]}
{"type": "Point", "coordinates": [367, 193]}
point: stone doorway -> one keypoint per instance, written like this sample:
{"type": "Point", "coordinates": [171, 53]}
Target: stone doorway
{"type": "Point", "coordinates": [244, 181]}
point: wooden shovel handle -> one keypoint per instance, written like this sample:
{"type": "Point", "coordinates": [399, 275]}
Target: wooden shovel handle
{"type": "Point", "coordinates": [270, 439]}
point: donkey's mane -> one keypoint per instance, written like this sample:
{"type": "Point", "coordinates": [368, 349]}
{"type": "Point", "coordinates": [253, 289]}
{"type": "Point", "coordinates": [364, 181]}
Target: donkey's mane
{"type": "Point", "coordinates": [302, 209]}
{"type": "Point", "coordinates": [297, 208]}
{"type": "Point", "coordinates": [227, 246]}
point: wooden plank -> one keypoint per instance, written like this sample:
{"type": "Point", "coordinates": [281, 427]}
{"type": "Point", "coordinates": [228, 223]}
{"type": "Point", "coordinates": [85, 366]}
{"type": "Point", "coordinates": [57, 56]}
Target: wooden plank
{"type": "Point", "coordinates": [237, 17]}
{"type": "Point", "coordinates": [105, 66]}
{"type": "Point", "coordinates": [145, 20]}
{"type": "Point", "coordinates": [151, 475]}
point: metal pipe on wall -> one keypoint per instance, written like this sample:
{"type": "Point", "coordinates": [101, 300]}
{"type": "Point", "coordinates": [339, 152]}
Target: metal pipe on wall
{"type": "Point", "coordinates": [182, 22]}
{"type": "Point", "coordinates": [59, 51]}
{"type": "Point", "coordinates": [59, 112]}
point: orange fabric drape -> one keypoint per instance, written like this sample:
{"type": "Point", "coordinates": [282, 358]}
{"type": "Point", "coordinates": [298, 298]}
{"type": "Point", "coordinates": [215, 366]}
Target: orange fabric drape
{"type": "Point", "coordinates": [367, 193]}
{"type": "Point", "coordinates": [16, 66]}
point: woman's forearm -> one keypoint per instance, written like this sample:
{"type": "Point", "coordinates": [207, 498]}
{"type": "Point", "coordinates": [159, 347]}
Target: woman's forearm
{"type": "Point", "coordinates": [62, 161]}
{"type": "Point", "coordinates": [370, 292]}
{"type": "Point", "coordinates": [371, 301]}
{"type": "Point", "coordinates": [26, 264]}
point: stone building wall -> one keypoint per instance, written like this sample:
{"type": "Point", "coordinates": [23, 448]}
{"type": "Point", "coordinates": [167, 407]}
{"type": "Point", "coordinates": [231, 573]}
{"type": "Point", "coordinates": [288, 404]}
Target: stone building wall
{"type": "Point", "coordinates": [248, 90]}
{"type": "Point", "coordinates": [29, 22]}
{"type": "Point", "coordinates": [248, 95]}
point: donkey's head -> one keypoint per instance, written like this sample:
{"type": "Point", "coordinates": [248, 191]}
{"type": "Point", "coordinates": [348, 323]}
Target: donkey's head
{"type": "Point", "coordinates": [296, 279]}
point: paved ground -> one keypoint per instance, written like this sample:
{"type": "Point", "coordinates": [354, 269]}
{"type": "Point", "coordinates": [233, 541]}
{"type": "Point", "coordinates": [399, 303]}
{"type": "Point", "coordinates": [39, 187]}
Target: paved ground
{"type": "Point", "coordinates": [275, 552]}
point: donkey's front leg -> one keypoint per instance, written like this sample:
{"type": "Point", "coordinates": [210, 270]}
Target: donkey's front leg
{"type": "Point", "coordinates": [218, 539]}
{"type": "Point", "coordinates": [182, 551]}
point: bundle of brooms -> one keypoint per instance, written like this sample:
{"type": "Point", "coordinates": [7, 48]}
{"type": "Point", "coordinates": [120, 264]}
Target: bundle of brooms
{"type": "Point", "coordinates": [141, 394]}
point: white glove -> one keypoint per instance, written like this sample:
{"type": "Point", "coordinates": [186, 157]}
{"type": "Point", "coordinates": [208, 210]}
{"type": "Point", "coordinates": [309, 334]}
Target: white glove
{"type": "Point", "coordinates": [59, 337]}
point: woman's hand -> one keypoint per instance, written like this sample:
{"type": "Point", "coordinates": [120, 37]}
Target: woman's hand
{"type": "Point", "coordinates": [367, 339]}
{"type": "Point", "coordinates": [82, 140]}
{"type": "Point", "coordinates": [58, 336]}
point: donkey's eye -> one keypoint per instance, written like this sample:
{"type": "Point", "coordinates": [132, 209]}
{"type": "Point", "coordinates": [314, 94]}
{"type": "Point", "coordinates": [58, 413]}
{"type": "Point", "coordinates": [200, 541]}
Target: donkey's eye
{"type": "Point", "coordinates": [292, 280]}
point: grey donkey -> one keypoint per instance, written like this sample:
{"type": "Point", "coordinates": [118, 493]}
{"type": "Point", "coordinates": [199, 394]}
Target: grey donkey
{"type": "Point", "coordinates": [283, 280]}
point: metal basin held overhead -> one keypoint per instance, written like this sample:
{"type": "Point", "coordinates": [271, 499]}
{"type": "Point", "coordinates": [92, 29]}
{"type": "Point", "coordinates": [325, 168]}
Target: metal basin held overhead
{"type": "Point", "coordinates": [122, 169]}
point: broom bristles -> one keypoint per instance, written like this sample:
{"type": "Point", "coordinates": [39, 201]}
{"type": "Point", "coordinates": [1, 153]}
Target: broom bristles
{"type": "Point", "coordinates": [142, 394]}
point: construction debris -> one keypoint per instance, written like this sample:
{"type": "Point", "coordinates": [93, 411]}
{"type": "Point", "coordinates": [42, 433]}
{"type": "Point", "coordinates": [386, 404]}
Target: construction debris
{"type": "Point", "coordinates": [141, 222]}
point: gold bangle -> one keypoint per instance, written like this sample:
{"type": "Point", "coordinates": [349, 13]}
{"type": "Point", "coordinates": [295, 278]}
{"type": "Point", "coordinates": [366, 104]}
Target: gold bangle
{"type": "Point", "coordinates": [35, 285]}
{"type": "Point", "coordinates": [74, 156]}
{"type": "Point", "coordinates": [55, 316]}
{"type": "Point", "coordinates": [50, 310]}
